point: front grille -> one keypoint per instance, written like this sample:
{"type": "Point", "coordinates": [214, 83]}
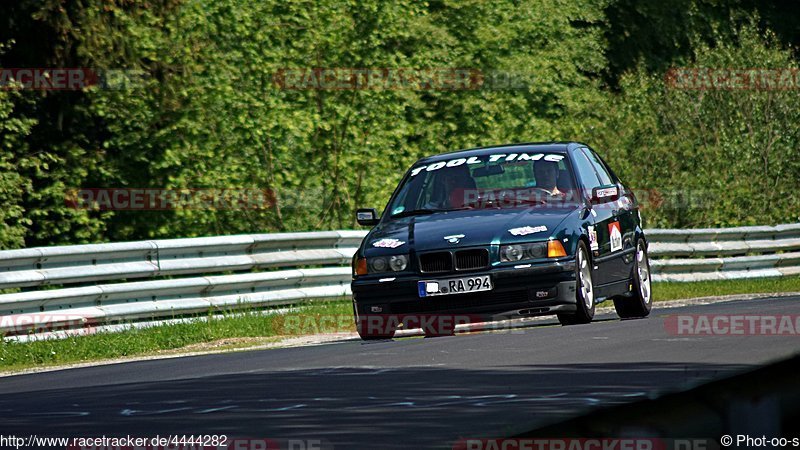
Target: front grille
{"type": "Point", "coordinates": [472, 259]}
{"type": "Point", "coordinates": [460, 301]}
{"type": "Point", "coordinates": [438, 262]}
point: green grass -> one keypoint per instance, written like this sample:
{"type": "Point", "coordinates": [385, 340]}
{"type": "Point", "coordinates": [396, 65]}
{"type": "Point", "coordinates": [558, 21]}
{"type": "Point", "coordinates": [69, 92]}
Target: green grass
{"type": "Point", "coordinates": [676, 291]}
{"type": "Point", "coordinates": [260, 328]}
{"type": "Point", "coordinates": [158, 339]}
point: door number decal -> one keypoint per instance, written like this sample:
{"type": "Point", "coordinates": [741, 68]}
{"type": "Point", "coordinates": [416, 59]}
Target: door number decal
{"type": "Point", "coordinates": [615, 236]}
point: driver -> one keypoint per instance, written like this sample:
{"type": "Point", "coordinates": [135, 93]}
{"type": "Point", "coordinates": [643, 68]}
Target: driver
{"type": "Point", "coordinates": [546, 175]}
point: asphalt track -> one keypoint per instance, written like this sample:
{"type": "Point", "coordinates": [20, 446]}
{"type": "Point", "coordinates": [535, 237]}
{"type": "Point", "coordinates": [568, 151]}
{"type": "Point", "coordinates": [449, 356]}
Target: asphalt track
{"type": "Point", "coordinates": [406, 393]}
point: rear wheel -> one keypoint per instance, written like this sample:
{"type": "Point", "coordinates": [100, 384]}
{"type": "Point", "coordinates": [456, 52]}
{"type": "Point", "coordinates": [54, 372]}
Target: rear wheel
{"type": "Point", "coordinates": [642, 301]}
{"type": "Point", "coordinates": [584, 290]}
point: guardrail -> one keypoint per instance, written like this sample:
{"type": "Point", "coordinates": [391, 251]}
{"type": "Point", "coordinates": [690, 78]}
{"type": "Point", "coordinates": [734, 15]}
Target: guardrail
{"type": "Point", "coordinates": [724, 253]}
{"type": "Point", "coordinates": [292, 267]}
{"type": "Point", "coordinates": [96, 262]}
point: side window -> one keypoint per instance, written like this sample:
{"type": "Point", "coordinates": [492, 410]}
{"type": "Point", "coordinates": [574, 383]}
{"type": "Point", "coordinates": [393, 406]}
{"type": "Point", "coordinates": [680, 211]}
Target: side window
{"type": "Point", "coordinates": [402, 199]}
{"type": "Point", "coordinates": [586, 172]}
{"type": "Point", "coordinates": [425, 181]}
{"type": "Point", "coordinates": [410, 193]}
{"type": "Point", "coordinates": [602, 173]}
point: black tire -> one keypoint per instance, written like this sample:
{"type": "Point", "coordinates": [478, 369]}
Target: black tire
{"type": "Point", "coordinates": [372, 335]}
{"type": "Point", "coordinates": [375, 337]}
{"type": "Point", "coordinates": [584, 290]}
{"type": "Point", "coordinates": [640, 304]}
{"type": "Point", "coordinates": [368, 333]}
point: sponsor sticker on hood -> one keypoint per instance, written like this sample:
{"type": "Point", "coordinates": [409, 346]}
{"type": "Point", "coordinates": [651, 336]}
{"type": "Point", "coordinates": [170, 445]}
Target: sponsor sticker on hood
{"type": "Point", "coordinates": [524, 231]}
{"type": "Point", "coordinates": [388, 243]}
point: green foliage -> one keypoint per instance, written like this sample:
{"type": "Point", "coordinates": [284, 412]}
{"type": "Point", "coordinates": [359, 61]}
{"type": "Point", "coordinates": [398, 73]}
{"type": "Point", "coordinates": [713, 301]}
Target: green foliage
{"type": "Point", "coordinates": [711, 157]}
{"type": "Point", "coordinates": [657, 34]}
{"type": "Point", "coordinates": [13, 160]}
{"type": "Point", "coordinates": [325, 152]}
{"type": "Point", "coordinates": [207, 111]}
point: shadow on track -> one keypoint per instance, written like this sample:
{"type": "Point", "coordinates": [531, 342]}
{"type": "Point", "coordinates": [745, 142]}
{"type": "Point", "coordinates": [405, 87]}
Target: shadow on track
{"type": "Point", "coordinates": [349, 407]}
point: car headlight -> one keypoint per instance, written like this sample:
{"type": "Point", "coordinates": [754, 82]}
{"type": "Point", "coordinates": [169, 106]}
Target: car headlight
{"type": "Point", "coordinates": [511, 253]}
{"type": "Point", "coordinates": [517, 252]}
{"type": "Point", "coordinates": [398, 262]}
{"type": "Point", "coordinates": [395, 263]}
{"type": "Point", "coordinates": [378, 264]}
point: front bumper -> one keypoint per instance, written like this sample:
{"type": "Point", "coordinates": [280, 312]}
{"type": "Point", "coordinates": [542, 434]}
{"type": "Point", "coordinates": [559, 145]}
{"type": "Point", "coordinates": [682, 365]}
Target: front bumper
{"type": "Point", "coordinates": [540, 289]}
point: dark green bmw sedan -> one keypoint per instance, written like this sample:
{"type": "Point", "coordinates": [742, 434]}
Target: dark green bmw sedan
{"type": "Point", "coordinates": [502, 232]}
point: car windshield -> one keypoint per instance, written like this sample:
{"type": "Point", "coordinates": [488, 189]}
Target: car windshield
{"type": "Point", "coordinates": [496, 181]}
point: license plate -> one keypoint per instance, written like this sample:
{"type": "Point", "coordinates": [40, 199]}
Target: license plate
{"type": "Point", "coordinates": [431, 288]}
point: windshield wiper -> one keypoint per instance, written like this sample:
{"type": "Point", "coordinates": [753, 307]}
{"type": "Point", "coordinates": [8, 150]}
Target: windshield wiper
{"type": "Point", "coordinates": [417, 212]}
{"type": "Point", "coordinates": [533, 201]}
{"type": "Point", "coordinates": [424, 211]}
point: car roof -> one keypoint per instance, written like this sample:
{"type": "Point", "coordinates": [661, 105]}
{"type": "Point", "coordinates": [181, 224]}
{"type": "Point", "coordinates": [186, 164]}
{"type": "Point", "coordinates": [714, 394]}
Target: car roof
{"type": "Point", "coordinates": [527, 147]}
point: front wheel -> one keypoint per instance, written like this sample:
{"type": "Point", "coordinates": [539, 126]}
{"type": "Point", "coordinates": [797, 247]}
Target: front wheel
{"type": "Point", "coordinates": [368, 331]}
{"type": "Point", "coordinates": [375, 327]}
{"type": "Point", "coordinates": [584, 290]}
{"type": "Point", "coordinates": [642, 301]}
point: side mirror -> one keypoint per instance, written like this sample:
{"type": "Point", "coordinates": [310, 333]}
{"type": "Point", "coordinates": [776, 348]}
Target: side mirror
{"type": "Point", "coordinates": [605, 194]}
{"type": "Point", "coordinates": [367, 217]}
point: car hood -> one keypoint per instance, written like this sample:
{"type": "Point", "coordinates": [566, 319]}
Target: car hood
{"type": "Point", "coordinates": [478, 227]}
